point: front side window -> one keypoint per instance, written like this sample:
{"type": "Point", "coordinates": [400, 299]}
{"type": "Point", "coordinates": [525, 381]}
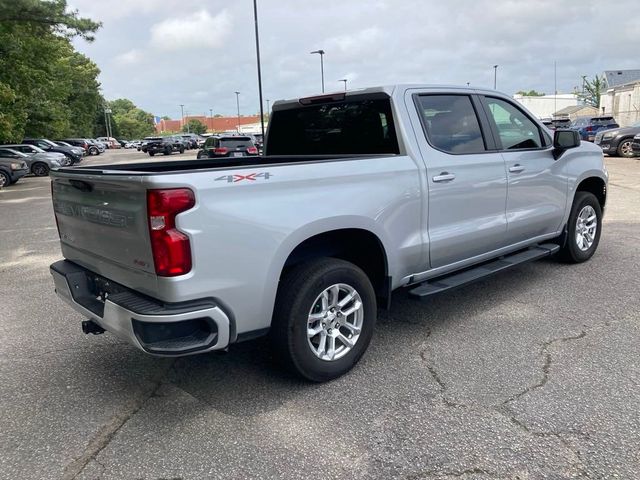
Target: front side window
{"type": "Point", "coordinates": [451, 123]}
{"type": "Point", "coordinates": [516, 130]}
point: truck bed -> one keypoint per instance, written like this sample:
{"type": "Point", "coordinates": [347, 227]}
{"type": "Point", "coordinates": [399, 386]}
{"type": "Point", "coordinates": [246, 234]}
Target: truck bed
{"type": "Point", "coordinates": [155, 168]}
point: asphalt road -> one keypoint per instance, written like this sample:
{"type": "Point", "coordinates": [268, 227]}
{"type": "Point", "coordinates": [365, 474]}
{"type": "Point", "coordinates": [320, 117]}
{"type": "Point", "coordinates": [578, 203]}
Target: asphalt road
{"type": "Point", "coordinates": [531, 374]}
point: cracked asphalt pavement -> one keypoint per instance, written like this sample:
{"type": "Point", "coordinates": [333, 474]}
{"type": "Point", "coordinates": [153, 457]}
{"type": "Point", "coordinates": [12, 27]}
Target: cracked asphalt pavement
{"type": "Point", "coordinates": [533, 373]}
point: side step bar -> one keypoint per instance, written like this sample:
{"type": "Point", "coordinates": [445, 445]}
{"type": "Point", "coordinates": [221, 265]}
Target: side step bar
{"type": "Point", "coordinates": [457, 279]}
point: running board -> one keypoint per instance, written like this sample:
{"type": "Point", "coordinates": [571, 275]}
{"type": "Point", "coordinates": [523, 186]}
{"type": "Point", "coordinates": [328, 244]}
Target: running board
{"type": "Point", "coordinates": [458, 279]}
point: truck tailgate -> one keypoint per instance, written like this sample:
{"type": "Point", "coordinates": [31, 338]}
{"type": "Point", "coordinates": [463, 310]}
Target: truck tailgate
{"type": "Point", "coordinates": [103, 218]}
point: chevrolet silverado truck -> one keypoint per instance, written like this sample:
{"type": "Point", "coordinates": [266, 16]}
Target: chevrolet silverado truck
{"type": "Point", "coordinates": [357, 194]}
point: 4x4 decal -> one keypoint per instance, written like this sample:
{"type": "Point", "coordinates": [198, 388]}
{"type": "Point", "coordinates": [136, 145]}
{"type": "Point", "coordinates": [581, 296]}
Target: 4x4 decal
{"type": "Point", "coordinates": [239, 178]}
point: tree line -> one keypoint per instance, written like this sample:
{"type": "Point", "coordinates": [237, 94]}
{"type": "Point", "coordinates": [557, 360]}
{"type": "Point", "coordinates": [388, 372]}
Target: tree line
{"type": "Point", "coordinates": [47, 88]}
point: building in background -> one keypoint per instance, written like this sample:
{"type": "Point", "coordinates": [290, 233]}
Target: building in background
{"type": "Point", "coordinates": [576, 111]}
{"type": "Point", "coordinates": [213, 124]}
{"type": "Point", "coordinates": [546, 106]}
{"type": "Point", "coordinates": [621, 99]}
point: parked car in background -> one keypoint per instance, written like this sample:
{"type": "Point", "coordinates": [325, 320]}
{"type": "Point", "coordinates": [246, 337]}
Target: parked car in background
{"type": "Point", "coordinates": [191, 140]}
{"type": "Point", "coordinates": [11, 170]}
{"type": "Point", "coordinates": [109, 141]}
{"type": "Point", "coordinates": [82, 143]}
{"type": "Point", "coordinates": [74, 154]}
{"type": "Point", "coordinates": [228, 146]}
{"type": "Point", "coordinates": [561, 123]}
{"type": "Point", "coordinates": [39, 167]}
{"type": "Point", "coordinates": [38, 154]}
{"type": "Point", "coordinates": [588, 126]}
{"type": "Point", "coordinates": [618, 142]}
{"type": "Point", "coordinates": [164, 145]}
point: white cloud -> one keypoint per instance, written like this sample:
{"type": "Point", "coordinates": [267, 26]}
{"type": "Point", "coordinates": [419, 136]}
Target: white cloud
{"type": "Point", "coordinates": [356, 43]}
{"type": "Point", "coordinates": [128, 58]}
{"type": "Point", "coordinates": [197, 30]}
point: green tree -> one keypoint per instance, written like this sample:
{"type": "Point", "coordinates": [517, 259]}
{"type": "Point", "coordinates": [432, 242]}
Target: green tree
{"type": "Point", "coordinates": [194, 126]}
{"type": "Point", "coordinates": [46, 88]}
{"type": "Point", "coordinates": [130, 121]}
{"type": "Point", "coordinates": [593, 90]}
{"type": "Point", "coordinates": [530, 93]}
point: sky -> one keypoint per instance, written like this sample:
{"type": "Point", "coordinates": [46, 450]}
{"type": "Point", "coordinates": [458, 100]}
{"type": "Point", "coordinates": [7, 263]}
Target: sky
{"type": "Point", "coordinates": [163, 53]}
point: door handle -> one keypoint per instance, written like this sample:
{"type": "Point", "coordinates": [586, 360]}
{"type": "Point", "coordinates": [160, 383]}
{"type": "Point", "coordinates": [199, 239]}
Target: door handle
{"type": "Point", "coordinates": [444, 177]}
{"type": "Point", "coordinates": [517, 168]}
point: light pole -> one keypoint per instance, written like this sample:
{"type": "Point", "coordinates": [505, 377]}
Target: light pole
{"type": "Point", "coordinates": [345, 83]}
{"type": "Point", "coordinates": [495, 77]}
{"type": "Point", "coordinates": [255, 19]}
{"type": "Point", "coordinates": [181, 116]}
{"type": "Point", "coordinates": [321, 53]}
{"type": "Point", "coordinates": [268, 109]}
{"type": "Point", "coordinates": [211, 116]}
{"type": "Point", "coordinates": [238, 105]}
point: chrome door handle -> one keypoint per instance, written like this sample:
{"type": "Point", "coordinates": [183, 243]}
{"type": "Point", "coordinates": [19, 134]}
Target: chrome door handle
{"type": "Point", "coordinates": [517, 168]}
{"type": "Point", "coordinates": [444, 177]}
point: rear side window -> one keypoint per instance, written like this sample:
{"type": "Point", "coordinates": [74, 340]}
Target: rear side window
{"type": "Point", "coordinates": [355, 126]}
{"type": "Point", "coordinates": [451, 123]}
{"type": "Point", "coordinates": [515, 129]}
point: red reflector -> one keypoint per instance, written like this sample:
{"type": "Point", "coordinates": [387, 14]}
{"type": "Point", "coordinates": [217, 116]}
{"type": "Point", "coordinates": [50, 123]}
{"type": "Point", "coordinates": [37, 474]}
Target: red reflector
{"type": "Point", "coordinates": [220, 151]}
{"type": "Point", "coordinates": [332, 97]}
{"type": "Point", "coordinates": [252, 150]}
{"type": "Point", "coordinates": [171, 247]}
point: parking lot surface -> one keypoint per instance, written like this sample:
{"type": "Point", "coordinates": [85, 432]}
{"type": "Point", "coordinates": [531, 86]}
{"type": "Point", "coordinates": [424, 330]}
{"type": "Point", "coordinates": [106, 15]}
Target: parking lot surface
{"type": "Point", "coordinates": [534, 373]}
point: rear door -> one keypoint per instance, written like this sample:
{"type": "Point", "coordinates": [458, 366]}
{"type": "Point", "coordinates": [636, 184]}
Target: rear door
{"type": "Point", "coordinates": [537, 192]}
{"type": "Point", "coordinates": [466, 179]}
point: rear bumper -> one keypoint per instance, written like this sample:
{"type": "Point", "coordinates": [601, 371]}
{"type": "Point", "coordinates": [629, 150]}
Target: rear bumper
{"type": "Point", "coordinates": [152, 326]}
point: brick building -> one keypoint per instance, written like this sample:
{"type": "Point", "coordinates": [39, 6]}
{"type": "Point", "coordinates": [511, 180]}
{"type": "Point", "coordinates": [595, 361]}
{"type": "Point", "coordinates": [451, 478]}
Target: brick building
{"type": "Point", "coordinates": [213, 124]}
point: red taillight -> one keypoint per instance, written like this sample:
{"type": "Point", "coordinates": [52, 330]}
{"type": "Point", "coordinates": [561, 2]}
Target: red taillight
{"type": "Point", "coordinates": [589, 128]}
{"type": "Point", "coordinates": [171, 248]}
{"type": "Point", "coordinates": [220, 151]}
{"type": "Point", "coordinates": [252, 150]}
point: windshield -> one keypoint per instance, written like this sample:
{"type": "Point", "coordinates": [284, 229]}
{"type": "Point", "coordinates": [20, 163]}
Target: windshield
{"type": "Point", "coordinates": [36, 149]}
{"type": "Point", "coordinates": [357, 125]}
{"type": "Point", "coordinates": [238, 142]}
{"type": "Point", "coordinates": [49, 142]}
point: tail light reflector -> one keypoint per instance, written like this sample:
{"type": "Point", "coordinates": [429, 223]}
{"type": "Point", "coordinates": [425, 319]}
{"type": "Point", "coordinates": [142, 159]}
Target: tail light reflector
{"type": "Point", "coordinates": [589, 128]}
{"type": "Point", "coordinates": [252, 150]}
{"type": "Point", "coordinates": [171, 247]}
{"type": "Point", "coordinates": [221, 151]}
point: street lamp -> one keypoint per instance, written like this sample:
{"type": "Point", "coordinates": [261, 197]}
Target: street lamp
{"type": "Point", "coordinates": [255, 20]}
{"type": "Point", "coordinates": [181, 116]}
{"type": "Point", "coordinates": [321, 53]}
{"type": "Point", "coordinates": [211, 117]}
{"type": "Point", "coordinates": [238, 105]}
{"type": "Point", "coordinates": [268, 109]}
{"type": "Point", "coordinates": [495, 77]}
{"type": "Point", "coordinates": [345, 83]}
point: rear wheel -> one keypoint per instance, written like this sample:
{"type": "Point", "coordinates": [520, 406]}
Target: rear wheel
{"type": "Point", "coordinates": [625, 149]}
{"type": "Point", "coordinates": [583, 230]}
{"type": "Point", "coordinates": [93, 151]}
{"type": "Point", "coordinates": [181, 149]}
{"type": "Point", "coordinates": [168, 150]}
{"type": "Point", "coordinates": [5, 179]}
{"type": "Point", "coordinates": [200, 155]}
{"type": "Point", "coordinates": [40, 169]}
{"type": "Point", "coordinates": [324, 318]}
{"type": "Point", "coordinates": [151, 154]}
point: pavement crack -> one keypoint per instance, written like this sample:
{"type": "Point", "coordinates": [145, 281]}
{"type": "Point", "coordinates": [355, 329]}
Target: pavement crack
{"type": "Point", "coordinates": [442, 386]}
{"type": "Point", "coordinates": [449, 473]}
{"type": "Point", "coordinates": [107, 432]}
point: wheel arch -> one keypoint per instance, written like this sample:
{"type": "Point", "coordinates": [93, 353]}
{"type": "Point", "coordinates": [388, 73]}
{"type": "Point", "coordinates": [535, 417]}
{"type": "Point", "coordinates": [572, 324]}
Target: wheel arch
{"type": "Point", "coordinates": [595, 185]}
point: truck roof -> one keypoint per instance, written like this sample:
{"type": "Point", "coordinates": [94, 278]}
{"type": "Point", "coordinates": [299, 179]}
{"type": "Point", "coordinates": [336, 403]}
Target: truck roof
{"type": "Point", "coordinates": [389, 90]}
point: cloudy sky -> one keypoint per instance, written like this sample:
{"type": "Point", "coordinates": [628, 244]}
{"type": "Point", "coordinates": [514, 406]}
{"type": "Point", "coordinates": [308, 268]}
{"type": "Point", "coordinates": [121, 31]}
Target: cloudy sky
{"type": "Point", "coordinates": [161, 53]}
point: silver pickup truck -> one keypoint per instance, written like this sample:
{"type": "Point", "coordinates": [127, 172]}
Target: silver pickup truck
{"type": "Point", "coordinates": [357, 194]}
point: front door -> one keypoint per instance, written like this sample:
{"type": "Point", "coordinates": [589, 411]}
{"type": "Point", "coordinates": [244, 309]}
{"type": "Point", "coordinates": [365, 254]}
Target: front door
{"type": "Point", "coordinates": [537, 188]}
{"type": "Point", "coordinates": [466, 181]}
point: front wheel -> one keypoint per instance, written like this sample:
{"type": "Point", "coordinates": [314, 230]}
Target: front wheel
{"type": "Point", "coordinates": [181, 149]}
{"type": "Point", "coordinates": [151, 154]}
{"type": "Point", "coordinates": [625, 149]}
{"type": "Point", "coordinates": [94, 151]}
{"type": "Point", "coordinates": [324, 318]}
{"type": "Point", "coordinates": [5, 179]}
{"type": "Point", "coordinates": [583, 230]}
{"type": "Point", "coordinates": [40, 170]}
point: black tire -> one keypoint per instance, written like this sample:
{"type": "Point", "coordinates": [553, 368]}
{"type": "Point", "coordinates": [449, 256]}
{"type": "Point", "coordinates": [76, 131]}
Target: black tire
{"type": "Point", "coordinates": [40, 169]}
{"type": "Point", "coordinates": [168, 150]}
{"type": "Point", "coordinates": [571, 252]}
{"type": "Point", "coordinates": [298, 291]}
{"type": "Point", "coordinates": [151, 154]}
{"type": "Point", "coordinates": [199, 156]}
{"type": "Point", "coordinates": [5, 179]}
{"type": "Point", "coordinates": [181, 149]}
{"type": "Point", "coordinates": [624, 148]}
{"type": "Point", "coordinates": [94, 151]}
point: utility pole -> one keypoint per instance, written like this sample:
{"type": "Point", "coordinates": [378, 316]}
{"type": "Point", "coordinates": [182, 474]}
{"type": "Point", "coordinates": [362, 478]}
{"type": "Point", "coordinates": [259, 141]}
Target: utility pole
{"type": "Point", "coordinates": [238, 105]}
{"type": "Point", "coordinates": [495, 77]}
{"type": "Point", "coordinates": [181, 116]}
{"type": "Point", "coordinates": [255, 19]}
{"type": "Point", "coordinates": [268, 109]}
{"type": "Point", "coordinates": [211, 116]}
{"type": "Point", "coordinates": [321, 53]}
{"type": "Point", "coordinates": [345, 83]}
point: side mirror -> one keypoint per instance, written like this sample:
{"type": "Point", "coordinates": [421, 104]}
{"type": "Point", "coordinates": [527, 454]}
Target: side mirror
{"type": "Point", "coordinates": [564, 140]}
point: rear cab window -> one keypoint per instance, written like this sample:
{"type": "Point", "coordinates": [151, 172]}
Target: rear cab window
{"type": "Point", "coordinates": [350, 125]}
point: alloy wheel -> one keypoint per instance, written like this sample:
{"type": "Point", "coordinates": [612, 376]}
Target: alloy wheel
{"type": "Point", "coordinates": [586, 227]}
